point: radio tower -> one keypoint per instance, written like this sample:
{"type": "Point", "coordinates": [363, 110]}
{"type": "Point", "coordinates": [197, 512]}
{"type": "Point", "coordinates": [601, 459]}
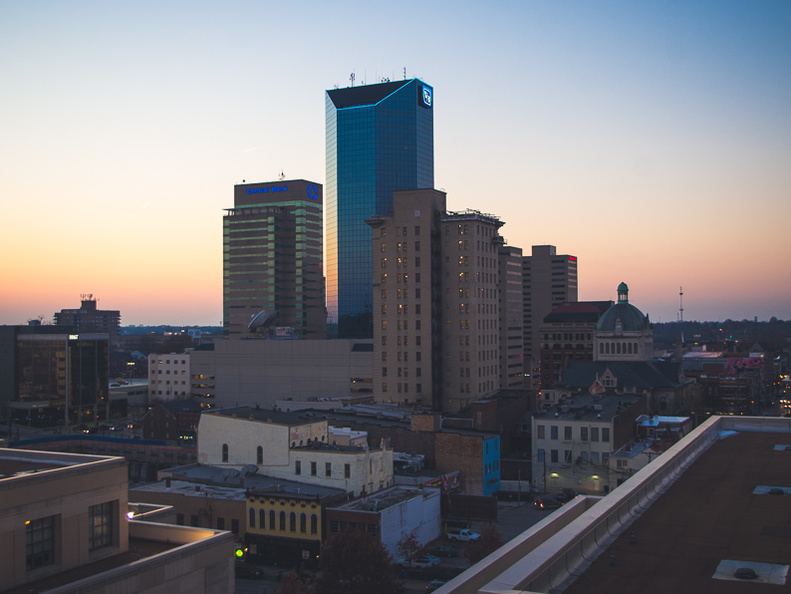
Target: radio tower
{"type": "Point", "coordinates": [681, 312]}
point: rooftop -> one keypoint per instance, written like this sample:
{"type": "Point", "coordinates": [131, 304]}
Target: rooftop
{"type": "Point", "coordinates": [715, 502]}
{"type": "Point", "coordinates": [17, 463]}
{"type": "Point", "coordinates": [272, 417]}
{"type": "Point", "coordinates": [386, 498]}
{"type": "Point", "coordinates": [225, 481]}
{"type": "Point", "coordinates": [590, 407]}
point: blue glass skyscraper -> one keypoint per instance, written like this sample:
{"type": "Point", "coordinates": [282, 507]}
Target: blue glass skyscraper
{"type": "Point", "coordinates": [380, 138]}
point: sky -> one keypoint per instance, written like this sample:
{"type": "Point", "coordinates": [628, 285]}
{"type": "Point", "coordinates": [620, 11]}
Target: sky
{"type": "Point", "coordinates": [652, 139]}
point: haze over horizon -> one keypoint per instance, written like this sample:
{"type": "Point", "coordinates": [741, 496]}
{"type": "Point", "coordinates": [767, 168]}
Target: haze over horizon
{"type": "Point", "coordinates": [652, 141]}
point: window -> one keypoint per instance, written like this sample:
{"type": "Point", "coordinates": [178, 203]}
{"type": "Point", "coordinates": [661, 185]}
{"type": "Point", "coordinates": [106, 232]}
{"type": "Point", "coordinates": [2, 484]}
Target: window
{"type": "Point", "coordinates": [179, 519]}
{"type": "Point", "coordinates": [100, 525]}
{"type": "Point", "coordinates": [303, 522]}
{"type": "Point", "coordinates": [259, 455]}
{"type": "Point", "coordinates": [194, 521]}
{"type": "Point", "coordinates": [541, 455]}
{"type": "Point", "coordinates": [292, 522]}
{"type": "Point", "coordinates": [251, 515]}
{"type": "Point", "coordinates": [225, 452]}
{"type": "Point", "coordinates": [235, 526]}
{"type": "Point", "coordinates": [553, 432]}
{"type": "Point", "coordinates": [567, 456]}
{"type": "Point", "coordinates": [347, 471]}
{"type": "Point", "coordinates": [262, 519]}
{"type": "Point", "coordinates": [40, 537]}
{"type": "Point", "coordinates": [553, 456]}
{"type": "Point", "coordinates": [605, 434]}
{"type": "Point", "coordinates": [298, 467]}
{"type": "Point", "coordinates": [583, 433]}
{"type": "Point", "coordinates": [328, 469]}
{"type": "Point", "coordinates": [314, 524]}
{"type": "Point", "coordinates": [272, 519]}
{"type": "Point", "coordinates": [540, 431]}
{"type": "Point", "coordinates": [594, 434]}
{"type": "Point", "coordinates": [312, 469]}
{"type": "Point", "coordinates": [283, 521]}
{"type": "Point", "coordinates": [567, 433]}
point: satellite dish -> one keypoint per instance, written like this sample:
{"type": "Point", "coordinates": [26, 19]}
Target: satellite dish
{"type": "Point", "coordinates": [263, 319]}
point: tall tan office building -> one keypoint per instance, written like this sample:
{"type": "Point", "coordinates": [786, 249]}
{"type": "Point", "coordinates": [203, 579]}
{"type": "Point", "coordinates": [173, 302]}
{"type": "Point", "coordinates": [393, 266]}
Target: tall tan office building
{"type": "Point", "coordinates": [436, 303]}
{"type": "Point", "coordinates": [548, 281]}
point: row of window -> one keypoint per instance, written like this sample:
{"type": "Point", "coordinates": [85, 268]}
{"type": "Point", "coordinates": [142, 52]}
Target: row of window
{"type": "Point", "coordinates": [568, 336]}
{"type": "Point", "coordinates": [618, 348]}
{"type": "Point", "coordinates": [347, 469]}
{"type": "Point", "coordinates": [404, 371]}
{"type": "Point", "coordinates": [585, 457]}
{"type": "Point", "coordinates": [277, 521]}
{"type": "Point", "coordinates": [585, 433]}
{"type": "Point", "coordinates": [403, 388]}
{"type": "Point", "coordinates": [404, 294]}
{"type": "Point", "coordinates": [404, 356]}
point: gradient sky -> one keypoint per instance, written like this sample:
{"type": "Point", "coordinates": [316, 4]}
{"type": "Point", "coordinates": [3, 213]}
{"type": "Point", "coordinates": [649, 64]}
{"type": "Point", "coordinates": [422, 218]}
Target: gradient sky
{"type": "Point", "coordinates": [650, 139]}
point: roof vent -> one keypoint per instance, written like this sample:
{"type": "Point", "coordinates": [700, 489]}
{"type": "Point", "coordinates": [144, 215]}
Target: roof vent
{"type": "Point", "coordinates": [745, 573]}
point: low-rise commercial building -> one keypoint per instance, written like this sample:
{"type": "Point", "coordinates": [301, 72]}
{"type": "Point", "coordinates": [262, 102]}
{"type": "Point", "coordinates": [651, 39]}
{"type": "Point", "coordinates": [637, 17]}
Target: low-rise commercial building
{"type": "Point", "coordinates": [292, 446]}
{"type": "Point", "coordinates": [64, 528]}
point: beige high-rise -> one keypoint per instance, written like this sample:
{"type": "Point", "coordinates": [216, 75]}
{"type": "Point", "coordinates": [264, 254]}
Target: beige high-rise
{"type": "Point", "coordinates": [436, 303]}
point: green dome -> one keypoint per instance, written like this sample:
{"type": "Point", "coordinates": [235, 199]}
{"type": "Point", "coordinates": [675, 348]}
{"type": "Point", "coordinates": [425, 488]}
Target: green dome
{"type": "Point", "coordinates": [631, 319]}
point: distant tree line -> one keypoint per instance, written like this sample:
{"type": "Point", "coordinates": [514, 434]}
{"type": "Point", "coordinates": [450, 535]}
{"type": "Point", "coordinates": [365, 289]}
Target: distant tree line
{"type": "Point", "coordinates": [735, 335]}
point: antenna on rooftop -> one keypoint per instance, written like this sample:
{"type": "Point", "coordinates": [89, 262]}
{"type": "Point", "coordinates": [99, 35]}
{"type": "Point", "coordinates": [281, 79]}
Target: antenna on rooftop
{"type": "Point", "coordinates": [351, 78]}
{"type": "Point", "coordinates": [681, 312]}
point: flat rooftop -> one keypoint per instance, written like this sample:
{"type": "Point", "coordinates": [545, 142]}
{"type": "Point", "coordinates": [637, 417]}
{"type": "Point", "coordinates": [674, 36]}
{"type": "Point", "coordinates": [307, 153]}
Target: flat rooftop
{"type": "Point", "coordinates": [14, 463]}
{"type": "Point", "coordinates": [383, 499]}
{"type": "Point", "coordinates": [714, 512]}
{"type": "Point", "coordinates": [138, 549]}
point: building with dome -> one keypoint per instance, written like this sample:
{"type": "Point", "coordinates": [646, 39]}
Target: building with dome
{"type": "Point", "coordinates": [623, 363]}
{"type": "Point", "coordinates": [623, 332]}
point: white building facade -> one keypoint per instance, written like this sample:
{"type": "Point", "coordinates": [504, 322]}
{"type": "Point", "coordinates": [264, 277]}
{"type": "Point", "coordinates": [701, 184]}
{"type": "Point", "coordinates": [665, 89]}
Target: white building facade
{"type": "Point", "coordinates": [169, 376]}
{"type": "Point", "coordinates": [291, 446]}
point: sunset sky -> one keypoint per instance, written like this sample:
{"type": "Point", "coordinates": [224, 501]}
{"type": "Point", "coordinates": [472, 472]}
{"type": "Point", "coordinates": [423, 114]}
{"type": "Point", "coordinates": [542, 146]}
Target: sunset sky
{"type": "Point", "coordinates": [650, 139]}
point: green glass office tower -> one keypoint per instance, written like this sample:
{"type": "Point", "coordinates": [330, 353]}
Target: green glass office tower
{"type": "Point", "coordinates": [380, 138]}
{"type": "Point", "coordinates": [272, 261]}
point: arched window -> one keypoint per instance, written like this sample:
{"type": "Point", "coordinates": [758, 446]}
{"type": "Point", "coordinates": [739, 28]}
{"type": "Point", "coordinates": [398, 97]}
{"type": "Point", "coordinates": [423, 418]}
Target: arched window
{"type": "Point", "coordinates": [601, 348]}
{"type": "Point", "coordinates": [252, 518]}
{"type": "Point", "coordinates": [303, 522]}
{"type": "Point", "coordinates": [271, 519]}
{"type": "Point", "coordinates": [259, 455]}
{"type": "Point", "coordinates": [292, 522]}
{"type": "Point", "coordinates": [314, 524]}
{"type": "Point", "coordinates": [225, 452]}
{"type": "Point", "coordinates": [283, 521]}
{"type": "Point", "coordinates": [262, 519]}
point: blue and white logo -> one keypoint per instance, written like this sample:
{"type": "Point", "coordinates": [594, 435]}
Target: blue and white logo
{"type": "Point", "coordinates": [426, 96]}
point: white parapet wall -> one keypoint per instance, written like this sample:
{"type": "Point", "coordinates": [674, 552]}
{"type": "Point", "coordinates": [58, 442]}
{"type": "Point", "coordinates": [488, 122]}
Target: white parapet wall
{"type": "Point", "coordinates": [544, 557]}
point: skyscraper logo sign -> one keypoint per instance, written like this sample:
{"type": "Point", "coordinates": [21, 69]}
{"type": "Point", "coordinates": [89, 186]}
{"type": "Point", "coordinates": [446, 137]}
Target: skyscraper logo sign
{"type": "Point", "coordinates": [426, 96]}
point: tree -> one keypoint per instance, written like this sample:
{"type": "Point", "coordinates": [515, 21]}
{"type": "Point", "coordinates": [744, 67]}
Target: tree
{"type": "Point", "coordinates": [488, 543]}
{"type": "Point", "coordinates": [291, 584]}
{"type": "Point", "coordinates": [409, 547]}
{"type": "Point", "coordinates": [355, 562]}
